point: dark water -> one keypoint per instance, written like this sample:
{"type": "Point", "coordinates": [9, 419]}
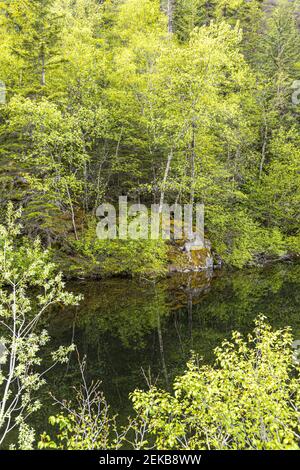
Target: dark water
{"type": "Point", "coordinates": [129, 330]}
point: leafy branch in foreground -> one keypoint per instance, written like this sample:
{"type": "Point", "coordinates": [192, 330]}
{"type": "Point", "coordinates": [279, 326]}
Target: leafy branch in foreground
{"type": "Point", "coordinates": [248, 400]}
{"type": "Point", "coordinates": [29, 285]}
{"type": "Point", "coordinates": [87, 424]}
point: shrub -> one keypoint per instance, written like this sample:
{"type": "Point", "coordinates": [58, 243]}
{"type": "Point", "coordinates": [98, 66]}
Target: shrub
{"type": "Point", "coordinates": [248, 400]}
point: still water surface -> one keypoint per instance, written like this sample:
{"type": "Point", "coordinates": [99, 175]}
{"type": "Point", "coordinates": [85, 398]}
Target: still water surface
{"type": "Point", "coordinates": [129, 330]}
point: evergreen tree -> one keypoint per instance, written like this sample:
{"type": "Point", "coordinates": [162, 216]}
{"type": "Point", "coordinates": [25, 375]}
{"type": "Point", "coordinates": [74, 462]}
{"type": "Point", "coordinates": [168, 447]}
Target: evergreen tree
{"type": "Point", "coordinates": [34, 29]}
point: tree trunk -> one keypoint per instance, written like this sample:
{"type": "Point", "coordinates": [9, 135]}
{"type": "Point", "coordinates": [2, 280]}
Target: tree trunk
{"type": "Point", "coordinates": [43, 71]}
{"type": "Point", "coordinates": [170, 13]}
{"type": "Point", "coordinates": [72, 212]}
{"type": "Point", "coordinates": [193, 146]}
{"type": "Point", "coordinates": [162, 195]}
{"type": "Point", "coordinates": [161, 349]}
{"type": "Point", "coordinates": [264, 147]}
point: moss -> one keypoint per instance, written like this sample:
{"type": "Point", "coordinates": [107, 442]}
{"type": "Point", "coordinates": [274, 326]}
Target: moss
{"type": "Point", "coordinates": [180, 261]}
{"type": "Point", "coordinates": [199, 257]}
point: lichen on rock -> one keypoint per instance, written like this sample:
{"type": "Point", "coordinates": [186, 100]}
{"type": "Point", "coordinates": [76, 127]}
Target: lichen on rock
{"type": "Point", "coordinates": [190, 257]}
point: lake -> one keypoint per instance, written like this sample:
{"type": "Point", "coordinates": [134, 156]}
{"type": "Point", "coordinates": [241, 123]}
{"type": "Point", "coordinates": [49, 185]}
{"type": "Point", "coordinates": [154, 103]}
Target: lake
{"type": "Point", "coordinates": [137, 332]}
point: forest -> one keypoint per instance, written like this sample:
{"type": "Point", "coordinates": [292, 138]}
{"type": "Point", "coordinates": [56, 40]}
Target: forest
{"type": "Point", "coordinates": [161, 102]}
{"type": "Point", "coordinates": [187, 100]}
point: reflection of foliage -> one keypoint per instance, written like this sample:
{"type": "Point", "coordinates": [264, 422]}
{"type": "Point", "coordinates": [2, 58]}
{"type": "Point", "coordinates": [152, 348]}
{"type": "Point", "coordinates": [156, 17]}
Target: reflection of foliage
{"type": "Point", "coordinates": [117, 327]}
{"type": "Point", "coordinates": [233, 301]}
{"type": "Point", "coordinates": [237, 298]}
{"type": "Point", "coordinates": [122, 309]}
{"type": "Point", "coordinates": [247, 400]}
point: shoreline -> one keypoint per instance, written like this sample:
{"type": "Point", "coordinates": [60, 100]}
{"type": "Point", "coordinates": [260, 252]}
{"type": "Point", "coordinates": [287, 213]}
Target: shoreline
{"type": "Point", "coordinates": [287, 259]}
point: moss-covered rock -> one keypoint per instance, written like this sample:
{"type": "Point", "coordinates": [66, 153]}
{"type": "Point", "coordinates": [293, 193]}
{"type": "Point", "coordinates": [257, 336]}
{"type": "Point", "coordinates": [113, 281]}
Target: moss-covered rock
{"type": "Point", "coordinates": [193, 259]}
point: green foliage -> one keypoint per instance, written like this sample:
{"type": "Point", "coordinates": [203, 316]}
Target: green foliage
{"type": "Point", "coordinates": [124, 257]}
{"type": "Point", "coordinates": [248, 400]}
{"type": "Point", "coordinates": [87, 426]}
{"type": "Point", "coordinates": [103, 102]}
{"type": "Point", "coordinates": [24, 268]}
{"type": "Point", "coordinates": [33, 29]}
{"type": "Point", "coordinates": [281, 208]}
{"type": "Point", "coordinates": [240, 240]}
{"type": "Point", "coordinates": [81, 429]}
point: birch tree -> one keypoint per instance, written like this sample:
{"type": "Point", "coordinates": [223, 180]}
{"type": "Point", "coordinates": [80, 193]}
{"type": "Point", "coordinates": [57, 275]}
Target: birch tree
{"type": "Point", "coordinates": [29, 286]}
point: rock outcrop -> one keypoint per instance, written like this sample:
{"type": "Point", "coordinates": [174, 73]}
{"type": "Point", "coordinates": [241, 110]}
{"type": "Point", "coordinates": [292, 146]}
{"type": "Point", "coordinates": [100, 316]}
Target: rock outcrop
{"type": "Point", "coordinates": [190, 256]}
